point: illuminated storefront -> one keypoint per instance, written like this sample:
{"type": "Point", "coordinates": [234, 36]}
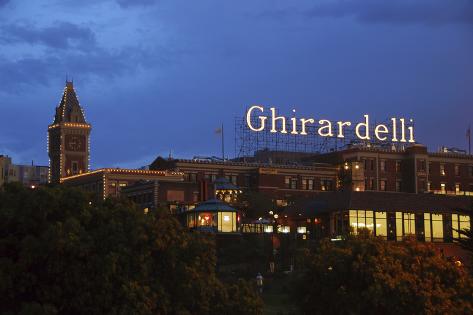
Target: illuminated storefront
{"type": "Point", "coordinates": [213, 216]}
{"type": "Point", "coordinates": [394, 217]}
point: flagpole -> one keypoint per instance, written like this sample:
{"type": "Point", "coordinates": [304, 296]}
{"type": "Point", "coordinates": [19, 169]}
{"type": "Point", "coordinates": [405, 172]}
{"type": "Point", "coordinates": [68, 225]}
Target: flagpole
{"type": "Point", "coordinates": [469, 139]}
{"type": "Point", "coordinates": [223, 146]}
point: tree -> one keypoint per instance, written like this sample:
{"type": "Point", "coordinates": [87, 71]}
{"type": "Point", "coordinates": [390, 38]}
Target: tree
{"type": "Point", "coordinates": [62, 254]}
{"type": "Point", "coordinates": [372, 276]}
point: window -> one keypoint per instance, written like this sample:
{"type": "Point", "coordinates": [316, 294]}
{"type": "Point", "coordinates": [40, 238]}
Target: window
{"type": "Point", "coordinates": [382, 185]}
{"type": "Point", "coordinates": [399, 231]}
{"type": "Point", "coordinates": [442, 170]}
{"type": "Point", "coordinates": [422, 185]}
{"type": "Point", "coordinates": [398, 185]}
{"type": "Point", "coordinates": [409, 224]}
{"type": "Point", "coordinates": [301, 229]}
{"type": "Point", "coordinates": [359, 219]}
{"type": "Point", "coordinates": [437, 227]}
{"type": "Point", "coordinates": [369, 164]}
{"type": "Point", "coordinates": [398, 166]}
{"type": "Point", "coordinates": [457, 188]}
{"type": "Point", "coordinates": [370, 184]}
{"type": "Point", "coordinates": [422, 165]}
{"type": "Point", "coordinates": [326, 184]}
{"type": "Point", "coordinates": [290, 182]}
{"type": "Point", "coordinates": [227, 221]}
{"type": "Point", "coordinates": [470, 168]}
{"type": "Point", "coordinates": [382, 165]}
{"type": "Point", "coordinates": [430, 168]}
{"type": "Point", "coordinates": [381, 224]}
{"type": "Point", "coordinates": [192, 177]}
{"type": "Point", "coordinates": [460, 222]}
{"type": "Point", "coordinates": [307, 184]}
{"type": "Point", "coordinates": [457, 170]}
{"type": "Point", "coordinates": [443, 188]}
{"type": "Point", "coordinates": [427, 229]}
{"type": "Point", "coordinates": [428, 186]}
{"type": "Point", "coordinates": [210, 177]}
{"type": "Point", "coordinates": [75, 167]}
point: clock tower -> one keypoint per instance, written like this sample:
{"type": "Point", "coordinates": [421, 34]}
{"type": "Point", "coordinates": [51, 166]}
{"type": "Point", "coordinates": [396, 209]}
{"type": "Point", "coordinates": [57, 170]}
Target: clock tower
{"type": "Point", "coordinates": [68, 138]}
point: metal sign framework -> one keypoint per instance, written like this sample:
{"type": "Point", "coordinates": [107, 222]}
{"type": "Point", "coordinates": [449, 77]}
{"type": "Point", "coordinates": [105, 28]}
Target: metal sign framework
{"type": "Point", "coordinates": [247, 142]}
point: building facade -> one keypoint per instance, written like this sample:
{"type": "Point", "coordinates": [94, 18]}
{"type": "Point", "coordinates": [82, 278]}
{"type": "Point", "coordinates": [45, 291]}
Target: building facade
{"type": "Point", "coordinates": [29, 175]}
{"type": "Point", "coordinates": [412, 170]}
{"type": "Point", "coordinates": [109, 182]}
{"type": "Point", "coordinates": [68, 138]}
{"type": "Point", "coordinates": [278, 181]}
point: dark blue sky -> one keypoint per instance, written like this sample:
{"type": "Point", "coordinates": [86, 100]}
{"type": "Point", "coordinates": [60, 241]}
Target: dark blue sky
{"type": "Point", "coordinates": [160, 75]}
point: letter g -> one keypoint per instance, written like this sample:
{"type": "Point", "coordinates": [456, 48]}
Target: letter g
{"type": "Point", "coordinates": [262, 119]}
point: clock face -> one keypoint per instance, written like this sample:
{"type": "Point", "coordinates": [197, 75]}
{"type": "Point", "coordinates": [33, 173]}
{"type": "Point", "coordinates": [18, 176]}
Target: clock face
{"type": "Point", "coordinates": [75, 143]}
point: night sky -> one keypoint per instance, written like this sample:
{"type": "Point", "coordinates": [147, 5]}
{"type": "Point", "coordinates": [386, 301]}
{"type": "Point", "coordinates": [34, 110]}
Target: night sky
{"type": "Point", "coordinates": [161, 75]}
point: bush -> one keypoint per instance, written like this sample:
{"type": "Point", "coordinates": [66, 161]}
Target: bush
{"type": "Point", "coordinates": [61, 254]}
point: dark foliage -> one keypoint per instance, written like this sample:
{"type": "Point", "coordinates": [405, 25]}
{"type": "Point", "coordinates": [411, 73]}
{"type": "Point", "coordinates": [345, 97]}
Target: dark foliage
{"type": "Point", "coordinates": [61, 254]}
{"type": "Point", "coordinates": [371, 276]}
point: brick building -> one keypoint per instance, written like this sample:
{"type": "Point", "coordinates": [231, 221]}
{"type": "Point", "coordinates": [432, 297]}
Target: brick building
{"type": "Point", "coordinates": [280, 182]}
{"type": "Point", "coordinates": [412, 170]}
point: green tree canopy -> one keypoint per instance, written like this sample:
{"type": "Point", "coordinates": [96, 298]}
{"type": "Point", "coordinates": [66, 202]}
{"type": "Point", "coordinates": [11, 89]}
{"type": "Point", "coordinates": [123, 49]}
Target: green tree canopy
{"type": "Point", "coordinates": [61, 254]}
{"type": "Point", "coordinates": [371, 276]}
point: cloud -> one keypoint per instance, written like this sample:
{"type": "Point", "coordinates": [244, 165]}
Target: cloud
{"type": "Point", "coordinates": [429, 12]}
{"type": "Point", "coordinates": [135, 3]}
{"type": "Point", "coordinates": [97, 63]}
{"type": "Point", "coordinates": [62, 35]}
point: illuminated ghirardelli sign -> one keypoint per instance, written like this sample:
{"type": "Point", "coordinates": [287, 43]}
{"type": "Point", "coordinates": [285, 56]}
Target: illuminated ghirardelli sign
{"type": "Point", "coordinates": [258, 119]}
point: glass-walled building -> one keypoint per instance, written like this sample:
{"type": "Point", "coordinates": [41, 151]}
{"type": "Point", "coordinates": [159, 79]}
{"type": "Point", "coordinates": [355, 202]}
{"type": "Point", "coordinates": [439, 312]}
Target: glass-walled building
{"type": "Point", "coordinates": [391, 216]}
{"type": "Point", "coordinates": [429, 226]}
{"type": "Point", "coordinates": [213, 216]}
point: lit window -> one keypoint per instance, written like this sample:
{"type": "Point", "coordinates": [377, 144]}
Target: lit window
{"type": "Point", "coordinates": [398, 185]}
{"type": "Point", "coordinates": [427, 229]}
{"type": "Point", "coordinates": [304, 183]}
{"type": "Point", "coordinates": [227, 222]}
{"type": "Point", "coordinates": [301, 229]}
{"type": "Point", "coordinates": [381, 224]}
{"type": "Point", "coordinates": [382, 185]}
{"type": "Point", "coordinates": [457, 188]}
{"type": "Point", "coordinates": [399, 230]}
{"type": "Point", "coordinates": [409, 224]}
{"type": "Point", "coordinates": [437, 228]}
{"type": "Point", "coordinates": [284, 229]}
{"type": "Point", "coordinates": [442, 169]}
{"type": "Point", "coordinates": [382, 165]}
{"type": "Point", "coordinates": [398, 166]}
{"type": "Point", "coordinates": [443, 188]}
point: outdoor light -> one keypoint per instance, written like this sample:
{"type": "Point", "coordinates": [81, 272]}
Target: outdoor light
{"type": "Point", "coordinates": [271, 212]}
{"type": "Point", "coordinates": [226, 218]}
{"type": "Point", "coordinates": [276, 216]}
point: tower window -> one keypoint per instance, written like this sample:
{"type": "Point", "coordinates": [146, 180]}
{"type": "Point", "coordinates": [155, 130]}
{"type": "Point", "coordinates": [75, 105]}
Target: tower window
{"type": "Point", "coordinates": [75, 167]}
